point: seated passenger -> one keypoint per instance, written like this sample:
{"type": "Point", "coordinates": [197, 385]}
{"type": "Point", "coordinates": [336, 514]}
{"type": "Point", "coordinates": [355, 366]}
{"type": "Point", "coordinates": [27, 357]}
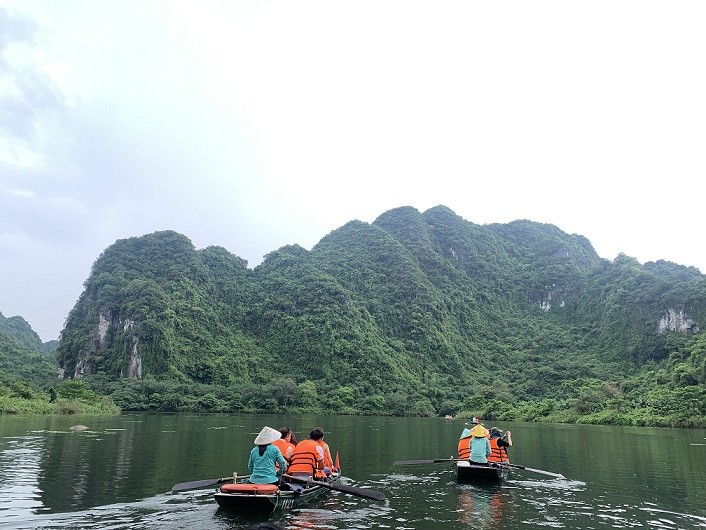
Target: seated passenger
{"type": "Point", "coordinates": [480, 446]}
{"type": "Point", "coordinates": [499, 445]}
{"type": "Point", "coordinates": [264, 457]}
{"type": "Point", "coordinates": [308, 456]}
{"type": "Point", "coordinates": [285, 444]}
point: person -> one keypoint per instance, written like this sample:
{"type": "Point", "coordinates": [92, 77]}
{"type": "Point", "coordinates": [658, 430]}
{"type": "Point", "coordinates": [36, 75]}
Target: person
{"type": "Point", "coordinates": [285, 443]}
{"type": "Point", "coordinates": [264, 456]}
{"type": "Point", "coordinates": [464, 443]}
{"type": "Point", "coordinates": [499, 445]}
{"type": "Point", "coordinates": [328, 459]}
{"type": "Point", "coordinates": [480, 446]}
{"type": "Point", "coordinates": [308, 456]}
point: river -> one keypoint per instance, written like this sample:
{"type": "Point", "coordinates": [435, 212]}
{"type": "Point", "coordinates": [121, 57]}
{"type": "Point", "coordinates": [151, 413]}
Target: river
{"type": "Point", "coordinates": [118, 474]}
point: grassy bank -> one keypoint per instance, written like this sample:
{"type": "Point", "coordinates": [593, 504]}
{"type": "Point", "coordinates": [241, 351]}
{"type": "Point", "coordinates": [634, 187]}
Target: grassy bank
{"type": "Point", "coordinates": [70, 397]}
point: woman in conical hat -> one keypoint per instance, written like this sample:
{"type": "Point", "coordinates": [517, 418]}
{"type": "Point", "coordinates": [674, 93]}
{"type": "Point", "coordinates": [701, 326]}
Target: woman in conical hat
{"type": "Point", "coordinates": [480, 446]}
{"type": "Point", "coordinates": [264, 456]}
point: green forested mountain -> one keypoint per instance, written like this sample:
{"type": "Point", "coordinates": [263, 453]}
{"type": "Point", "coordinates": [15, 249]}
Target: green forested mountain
{"type": "Point", "coordinates": [22, 354]}
{"type": "Point", "coordinates": [416, 313]}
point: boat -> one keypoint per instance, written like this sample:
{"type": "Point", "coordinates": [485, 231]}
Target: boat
{"type": "Point", "coordinates": [245, 497]}
{"type": "Point", "coordinates": [467, 471]}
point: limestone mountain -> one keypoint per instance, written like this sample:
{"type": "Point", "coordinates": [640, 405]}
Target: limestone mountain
{"type": "Point", "coordinates": [425, 303]}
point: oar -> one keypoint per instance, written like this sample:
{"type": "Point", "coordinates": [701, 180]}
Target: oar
{"type": "Point", "coordinates": [438, 460]}
{"type": "Point", "coordinates": [415, 462]}
{"type": "Point", "coordinates": [360, 492]}
{"type": "Point", "coordinates": [203, 483]}
{"type": "Point", "coordinates": [540, 471]}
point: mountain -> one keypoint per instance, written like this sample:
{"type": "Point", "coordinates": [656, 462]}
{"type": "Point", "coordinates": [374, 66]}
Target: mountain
{"type": "Point", "coordinates": [416, 313]}
{"type": "Point", "coordinates": [22, 353]}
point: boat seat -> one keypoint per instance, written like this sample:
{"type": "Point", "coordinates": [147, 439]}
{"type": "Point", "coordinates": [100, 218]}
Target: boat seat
{"type": "Point", "coordinates": [249, 488]}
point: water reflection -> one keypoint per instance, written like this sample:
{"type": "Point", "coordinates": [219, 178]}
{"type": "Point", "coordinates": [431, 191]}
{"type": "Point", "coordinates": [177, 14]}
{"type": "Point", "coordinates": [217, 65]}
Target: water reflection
{"type": "Point", "coordinates": [481, 507]}
{"type": "Point", "coordinates": [20, 469]}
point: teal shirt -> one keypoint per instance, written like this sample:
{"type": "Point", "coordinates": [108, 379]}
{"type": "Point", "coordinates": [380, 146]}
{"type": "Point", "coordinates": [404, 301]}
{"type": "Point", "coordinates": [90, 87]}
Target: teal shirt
{"type": "Point", "coordinates": [480, 450]}
{"type": "Point", "coordinates": [262, 468]}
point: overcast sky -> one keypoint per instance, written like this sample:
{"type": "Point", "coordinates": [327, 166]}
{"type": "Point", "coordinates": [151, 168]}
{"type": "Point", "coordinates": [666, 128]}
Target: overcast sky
{"type": "Point", "coordinates": [252, 125]}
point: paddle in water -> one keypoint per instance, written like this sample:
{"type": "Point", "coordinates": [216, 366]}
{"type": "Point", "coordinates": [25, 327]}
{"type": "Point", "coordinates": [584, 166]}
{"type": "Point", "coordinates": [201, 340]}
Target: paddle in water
{"type": "Point", "coordinates": [196, 484]}
{"type": "Point", "coordinates": [439, 460]}
{"type": "Point", "coordinates": [351, 490]}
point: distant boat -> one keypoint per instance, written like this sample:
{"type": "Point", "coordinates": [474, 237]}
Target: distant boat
{"type": "Point", "coordinates": [448, 417]}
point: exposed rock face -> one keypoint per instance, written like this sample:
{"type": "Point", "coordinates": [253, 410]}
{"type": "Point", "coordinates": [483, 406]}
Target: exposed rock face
{"type": "Point", "coordinates": [100, 340]}
{"type": "Point", "coordinates": [134, 364]}
{"type": "Point", "coordinates": [676, 321]}
{"type": "Point", "coordinates": [555, 294]}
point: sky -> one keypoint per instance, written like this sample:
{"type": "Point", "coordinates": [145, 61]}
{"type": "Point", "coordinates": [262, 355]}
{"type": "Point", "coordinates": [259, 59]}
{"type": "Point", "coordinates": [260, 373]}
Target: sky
{"type": "Point", "coordinates": [252, 125]}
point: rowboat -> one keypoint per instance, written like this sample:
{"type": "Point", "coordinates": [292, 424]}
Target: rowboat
{"type": "Point", "coordinates": [246, 497]}
{"type": "Point", "coordinates": [469, 472]}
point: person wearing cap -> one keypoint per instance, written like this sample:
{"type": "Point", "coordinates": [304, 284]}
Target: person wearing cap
{"type": "Point", "coordinates": [264, 456]}
{"type": "Point", "coordinates": [480, 446]}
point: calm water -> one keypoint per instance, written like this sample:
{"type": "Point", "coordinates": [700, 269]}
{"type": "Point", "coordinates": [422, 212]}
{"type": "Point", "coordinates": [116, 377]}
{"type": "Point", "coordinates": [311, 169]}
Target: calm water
{"type": "Point", "coordinates": [118, 474]}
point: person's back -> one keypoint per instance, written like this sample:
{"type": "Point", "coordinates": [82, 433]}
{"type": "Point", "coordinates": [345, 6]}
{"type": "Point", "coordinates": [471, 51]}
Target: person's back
{"type": "Point", "coordinates": [480, 446]}
{"type": "Point", "coordinates": [308, 456]}
{"type": "Point", "coordinates": [285, 444]}
{"type": "Point", "coordinates": [264, 457]}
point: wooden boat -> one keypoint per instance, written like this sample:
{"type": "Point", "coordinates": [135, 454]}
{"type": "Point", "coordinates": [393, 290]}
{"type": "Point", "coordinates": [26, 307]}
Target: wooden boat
{"type": "Point", "coordinates": [467, 472]}
{"type": "Point", "coordinates": [246, 497]}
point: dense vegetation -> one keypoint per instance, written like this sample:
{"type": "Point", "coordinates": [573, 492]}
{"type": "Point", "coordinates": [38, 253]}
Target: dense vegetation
{"type": "Point", "coordinates": [28, 382]}
{"type": "Point", "coordinates": [416, 313]}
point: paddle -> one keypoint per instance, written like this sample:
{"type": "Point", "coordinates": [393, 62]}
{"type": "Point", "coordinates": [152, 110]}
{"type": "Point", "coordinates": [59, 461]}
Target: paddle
{"type": "Point", "coordinates": [540, 471]}
{"type": "Point", "coordinates": [415, 462]}
{"type": "Point", "coordinates": [438, 460]}
{"type": "Point", "coordinates": [203, 483]}
{"type": "Point", "coordinates": [360, 492]}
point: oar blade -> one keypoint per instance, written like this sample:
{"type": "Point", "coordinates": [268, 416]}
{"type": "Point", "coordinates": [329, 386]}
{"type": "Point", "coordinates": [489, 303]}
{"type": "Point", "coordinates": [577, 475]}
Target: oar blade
{"type": "Point", "coordinates": [542, 472]}
{"type": "Point", "coordinates": [360, 492]}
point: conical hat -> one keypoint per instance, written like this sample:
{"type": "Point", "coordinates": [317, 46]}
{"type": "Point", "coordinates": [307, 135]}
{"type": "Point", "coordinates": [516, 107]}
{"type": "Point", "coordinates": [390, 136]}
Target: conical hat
{"type": "Point", "coordinates": [267, 436]}
{"type": "Point", "coordinates": [478, 431]}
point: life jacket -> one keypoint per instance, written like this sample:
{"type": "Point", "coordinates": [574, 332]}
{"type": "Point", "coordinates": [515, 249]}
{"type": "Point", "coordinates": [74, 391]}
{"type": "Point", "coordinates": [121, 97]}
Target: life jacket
{"type": "Point", "coordinates": [464, 447]}
{"type": "Point", "coordinates": [327, 454]}
{"type": "Point", "coordinates": [285, 447]}
{"type": "Point", "coordinates": [305, 457]}
{"type": "Point", "coordinates": [497, 453]}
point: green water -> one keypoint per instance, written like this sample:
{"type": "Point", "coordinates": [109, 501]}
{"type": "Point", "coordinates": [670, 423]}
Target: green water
{"type": "Point", "coordinates": [118, 474]}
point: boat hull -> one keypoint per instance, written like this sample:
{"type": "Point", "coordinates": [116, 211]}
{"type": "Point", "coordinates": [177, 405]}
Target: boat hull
{"type": "Point", "coordinates": [263, 500]}
{"type": "Point", "coordinates": [468, 472]}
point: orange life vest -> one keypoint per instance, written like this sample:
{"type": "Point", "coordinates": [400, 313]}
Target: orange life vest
{"type": "Point", "coordinates": [327, 454]}
{"type": "Point", "coordinates": [305, 457]}
{"type": "Point", "coordinates": [464, 447]}
{"type": "Point", "coordinates": [284, 446]}
{"type": "Point", "coordinates": [497, 453]}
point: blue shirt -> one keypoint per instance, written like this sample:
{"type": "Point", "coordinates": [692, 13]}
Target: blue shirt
{"type": "Point", "coordinates": [480, 450]}
{"type": "Point", "coordinates": [262, 468]}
